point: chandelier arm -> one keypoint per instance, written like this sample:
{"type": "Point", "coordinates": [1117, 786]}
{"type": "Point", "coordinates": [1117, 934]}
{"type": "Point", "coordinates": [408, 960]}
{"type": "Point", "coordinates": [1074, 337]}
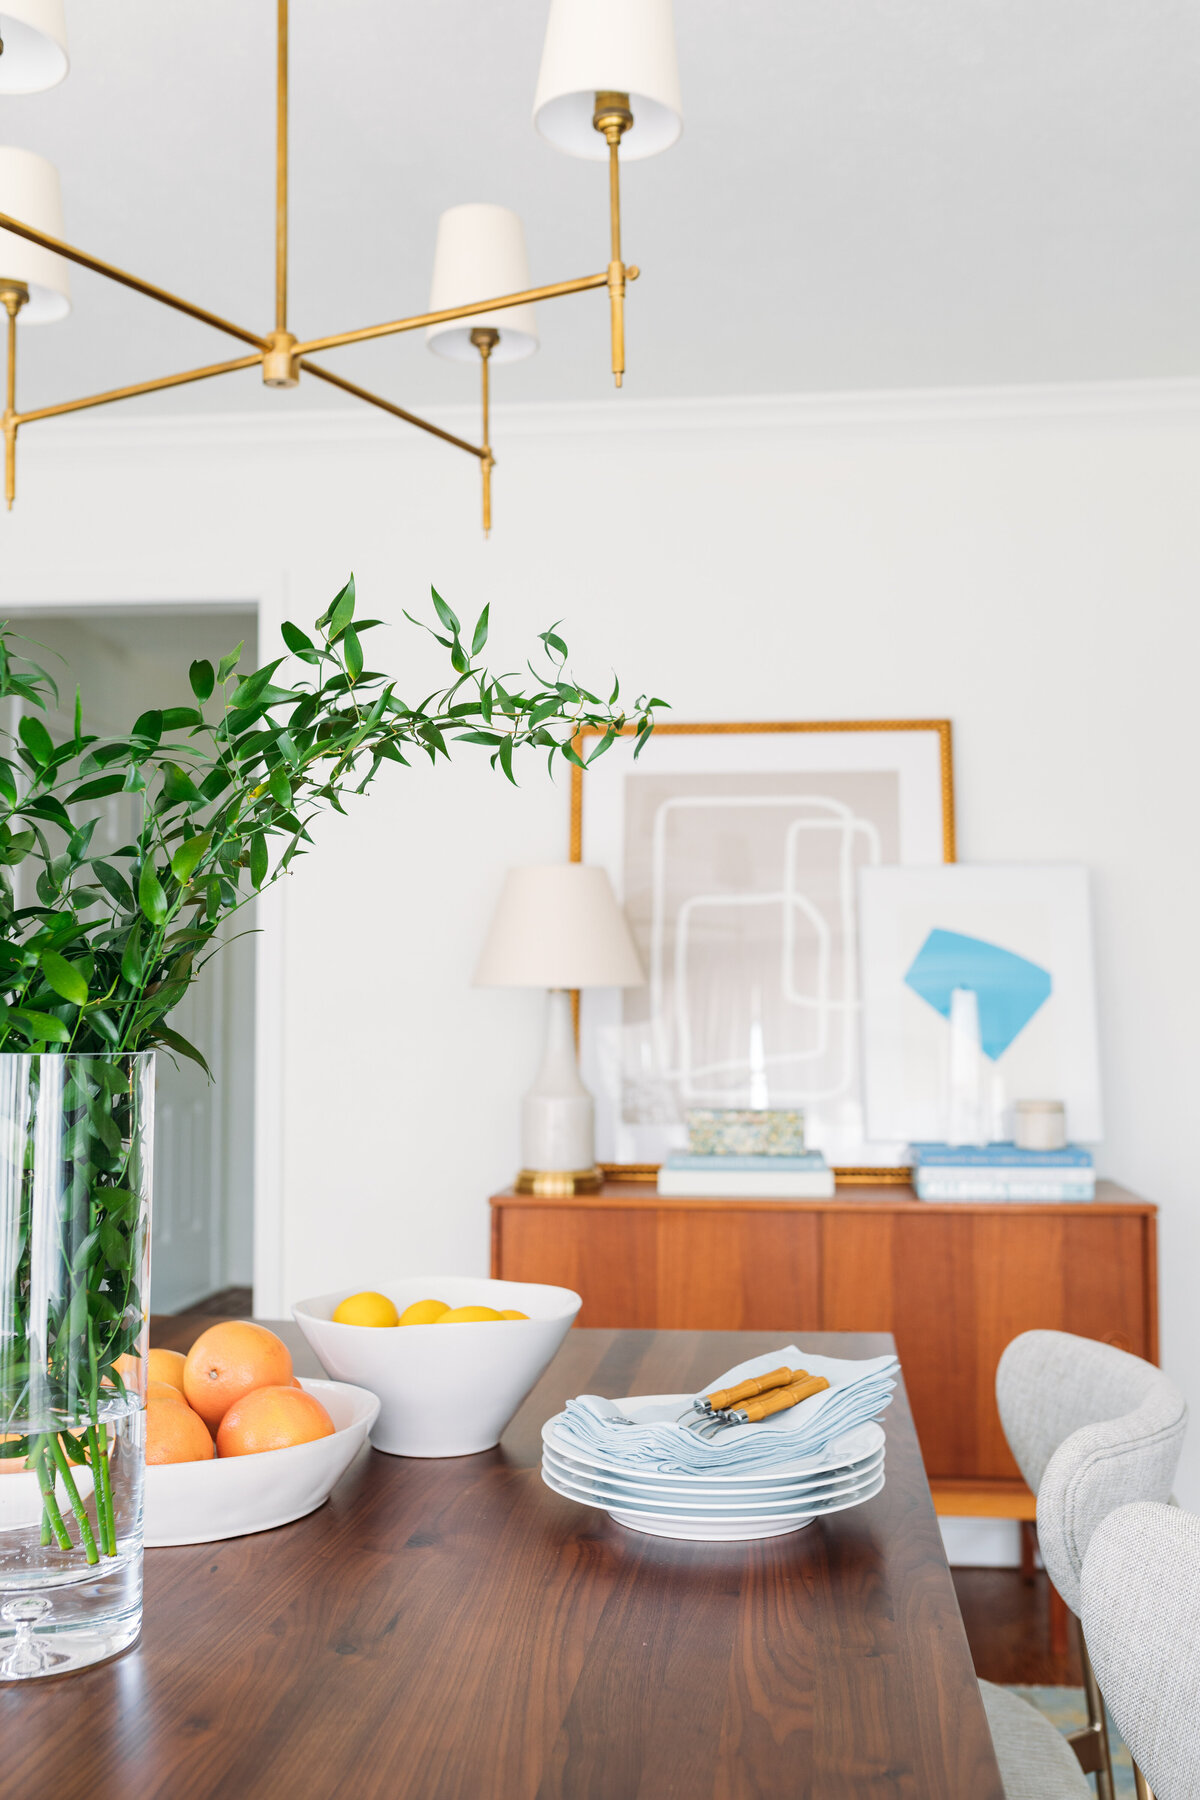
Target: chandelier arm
{"type": "Point", "coordinates": [389, 406]}
{"type": "Point", "coordinates": [112, 273]}
{"type": "Point", "coordinates": [139, 387]}
{"type": "Point", "coordinates": [281, 169]}
{"type": "Point", "coordinates": [578, 286]}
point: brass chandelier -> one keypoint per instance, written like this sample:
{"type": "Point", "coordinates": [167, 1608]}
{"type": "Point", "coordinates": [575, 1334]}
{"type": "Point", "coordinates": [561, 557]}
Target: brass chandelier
{"type": "Point", "coordinates": [608, 79]}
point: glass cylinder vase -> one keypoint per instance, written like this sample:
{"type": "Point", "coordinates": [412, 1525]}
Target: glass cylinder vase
{"type": "Point", "coordinates": [76, 1152]}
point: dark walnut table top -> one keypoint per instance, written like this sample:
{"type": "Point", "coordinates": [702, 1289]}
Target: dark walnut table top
{"type": "Point", "coordinates": [453, 1630]}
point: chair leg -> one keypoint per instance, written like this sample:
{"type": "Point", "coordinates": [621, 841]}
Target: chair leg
{"type": "Point", "coordinates": [1097, 1727]}
{"type": "Point", "coordinates": [1141, 1786]}
{"type": "Point", "coordinates": [1028, 1547]}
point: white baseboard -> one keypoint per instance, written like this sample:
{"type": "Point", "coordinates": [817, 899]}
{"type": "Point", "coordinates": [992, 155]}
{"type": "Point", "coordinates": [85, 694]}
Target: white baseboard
{"type": "Point", "coordinates": [982, 1543]}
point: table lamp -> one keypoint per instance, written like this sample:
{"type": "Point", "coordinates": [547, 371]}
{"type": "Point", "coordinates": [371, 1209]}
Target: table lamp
{"type": "Point", "coordinates": [558, 927]}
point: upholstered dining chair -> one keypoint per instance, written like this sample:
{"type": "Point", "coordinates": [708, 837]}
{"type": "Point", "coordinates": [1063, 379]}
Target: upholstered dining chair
{"type": "Point", "coordinates": [1141, 1611]}
{"type": "Point", "coordinates": [1092, 1429]}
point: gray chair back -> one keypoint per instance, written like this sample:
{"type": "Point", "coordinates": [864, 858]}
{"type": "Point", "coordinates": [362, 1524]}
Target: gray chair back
{"type": "Point", "coordinates": [1141, 1615]}
{"type": "Point", "coordinates": [1092, 1428]}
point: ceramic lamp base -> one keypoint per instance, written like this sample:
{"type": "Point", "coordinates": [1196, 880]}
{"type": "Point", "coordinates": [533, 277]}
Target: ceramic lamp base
{"type": "Point", "coordinates": [554, 1183]}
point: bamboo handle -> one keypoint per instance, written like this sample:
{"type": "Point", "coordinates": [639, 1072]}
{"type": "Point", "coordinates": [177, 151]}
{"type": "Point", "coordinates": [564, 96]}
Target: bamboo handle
{"type": "Point", "coordinates": [782, 1399]}
{"type": "Point", "coordinates": [746, 1390]}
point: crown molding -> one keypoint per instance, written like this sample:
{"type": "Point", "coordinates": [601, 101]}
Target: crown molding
{"type": "Point", "coordinates": [623, 416]}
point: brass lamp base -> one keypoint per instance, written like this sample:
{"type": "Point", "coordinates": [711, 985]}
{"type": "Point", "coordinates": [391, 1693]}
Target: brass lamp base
{"type": "Point", "coordinates": [552, 1184]}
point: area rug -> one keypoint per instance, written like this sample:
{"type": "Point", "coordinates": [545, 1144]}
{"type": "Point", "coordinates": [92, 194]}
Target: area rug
{"type": "Point", "coordinates": [1064, 1707]}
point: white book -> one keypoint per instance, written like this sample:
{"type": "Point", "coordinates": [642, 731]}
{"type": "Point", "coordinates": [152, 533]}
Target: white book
{"type": "Point", "coordinates": [767, 1184]}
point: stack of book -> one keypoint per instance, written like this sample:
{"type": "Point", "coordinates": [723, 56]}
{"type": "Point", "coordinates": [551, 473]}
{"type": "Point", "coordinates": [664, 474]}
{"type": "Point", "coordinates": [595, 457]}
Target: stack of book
{"type": "Point", "coordinates": [1001, 1172]}
{"type": "Point", "coordinates": [803, 1177]}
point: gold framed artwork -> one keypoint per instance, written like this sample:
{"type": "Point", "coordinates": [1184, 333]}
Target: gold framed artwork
{"type": "Point", "coordinates": [735, 850]}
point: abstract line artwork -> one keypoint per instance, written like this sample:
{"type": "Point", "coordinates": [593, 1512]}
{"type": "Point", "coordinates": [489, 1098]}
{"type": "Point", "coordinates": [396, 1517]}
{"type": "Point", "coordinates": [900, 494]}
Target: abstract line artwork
{"type": "Point", "coordinates": [740, 887]}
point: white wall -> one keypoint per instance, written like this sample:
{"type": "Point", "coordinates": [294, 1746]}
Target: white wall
{"type": "Point", "coordinates": [1027, 564]}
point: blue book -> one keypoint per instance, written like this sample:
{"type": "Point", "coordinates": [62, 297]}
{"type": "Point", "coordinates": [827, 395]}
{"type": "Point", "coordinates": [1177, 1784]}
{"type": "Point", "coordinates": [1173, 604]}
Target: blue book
{"type": "Point", "coordinates": [997, 1156]}
{"type": "Point", "coordinates": [746, 1165]}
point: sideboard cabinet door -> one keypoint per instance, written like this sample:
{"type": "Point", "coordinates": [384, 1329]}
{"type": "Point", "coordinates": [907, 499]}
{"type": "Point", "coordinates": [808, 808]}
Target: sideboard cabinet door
{"type": "Point", "coordinates": [956, 1286]}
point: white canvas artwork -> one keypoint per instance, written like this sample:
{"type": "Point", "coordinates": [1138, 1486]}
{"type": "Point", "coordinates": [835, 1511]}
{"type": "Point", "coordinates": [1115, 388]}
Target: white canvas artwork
{"type": "Point", "coordinates": [736, 857]}
{"type": "Point", "coordinates": [1019, 936]}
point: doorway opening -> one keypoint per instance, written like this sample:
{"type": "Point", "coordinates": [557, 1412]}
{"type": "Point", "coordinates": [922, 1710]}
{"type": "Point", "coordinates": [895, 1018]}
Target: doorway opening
{"type": "Point", "coordinates": [125, 660]}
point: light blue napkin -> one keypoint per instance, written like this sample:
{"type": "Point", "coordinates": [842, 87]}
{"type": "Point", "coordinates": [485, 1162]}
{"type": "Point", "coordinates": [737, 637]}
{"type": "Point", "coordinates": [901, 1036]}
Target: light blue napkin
{"type": "Point", "coordinates": [857, 1391]}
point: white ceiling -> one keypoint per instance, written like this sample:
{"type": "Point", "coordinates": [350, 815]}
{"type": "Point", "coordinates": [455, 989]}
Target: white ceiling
{"type": "Point", "coordinates": [867, 194]}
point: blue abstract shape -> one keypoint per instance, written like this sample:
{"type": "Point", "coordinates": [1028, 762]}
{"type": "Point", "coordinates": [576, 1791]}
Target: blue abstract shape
{"type": "Point", "coordinates": [1011, 989]}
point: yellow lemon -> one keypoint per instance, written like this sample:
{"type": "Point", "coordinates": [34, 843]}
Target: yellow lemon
{"type": "Point", "coordinates": [423, 1312]}
{"type": "Point", "coordinates": [469, 1315]}
{"type": "Point", "coordinates": [514, 1315]}
{"type": "Point", "coordinates": [366, 1309]}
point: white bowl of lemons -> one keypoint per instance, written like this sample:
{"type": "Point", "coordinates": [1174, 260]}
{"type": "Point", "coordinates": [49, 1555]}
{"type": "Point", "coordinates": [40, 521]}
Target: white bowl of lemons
{"type": "Point", "coordinates": [451, 1357]}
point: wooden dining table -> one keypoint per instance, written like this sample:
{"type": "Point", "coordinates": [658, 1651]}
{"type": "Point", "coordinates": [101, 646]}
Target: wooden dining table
{"type": "Point", "coordinates": [453, 1630]}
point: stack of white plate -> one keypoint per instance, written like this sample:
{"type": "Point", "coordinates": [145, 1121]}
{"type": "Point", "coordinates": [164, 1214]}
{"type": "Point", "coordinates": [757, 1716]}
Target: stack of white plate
{"type": "Point", "coordinates": [720, 1505]}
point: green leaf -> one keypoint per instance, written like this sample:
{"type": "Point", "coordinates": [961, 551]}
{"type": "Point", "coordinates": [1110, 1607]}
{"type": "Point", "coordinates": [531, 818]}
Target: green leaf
{"type": "Point", "coordinates": [229, 663]}
{"type": "Point", "coordinates": [131, 958]}
{"type": "Point", "coordinates": [97, 789]}
{"type": "Point", "coordinates": [148, 726]}
{"type": "Point", "coordinates": [178, 787]}
{"type": "Point", "coordinates": [64, 978]}
{"type": "Point", "coordinates": [254, 687]}
{"type": "Point", "coordinates": [258, 859]}
{"type": "Point", "coordinates": [353, 651]}
{"type": "Point", "coordinates": [115, 883]}
{"type": "Point", "coordinates": [36, 739]}
{"type": "Point", "coordinates": [280, 788]}
{"type": "Point", "coordinates": [341, 612]}
{"type": "Point", "coordinates": [444, 614]}
{"type": "Point", "coordinates": [112, 1243]}
{"type": "Point", "coordinates": [189, 853]}
{"type": "Point", "coordinates": [481, 633]}
{"type": "Point", "coordinates": [41, 1025]}
{"type": "Point", "coordinates": [174, 1041]}
{"type": "Point", "coordinates": [506, 755]}
{"type": "Point", "coordinates": [8, 786]}
{"type": "Point", "coordinates": [294, 638]}
{"type": "Point", "coordinates": [180, 718]}
{"type": "Point", "coordinates": [151, 898]}
{"type": "Point", "coordinates": [215, 783]}
{"type": "Point", "coordinates": [202, 679]}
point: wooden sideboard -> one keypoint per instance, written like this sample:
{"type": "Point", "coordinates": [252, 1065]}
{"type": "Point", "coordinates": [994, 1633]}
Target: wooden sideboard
{"type": "Point", "coordinates": [954, 1283]}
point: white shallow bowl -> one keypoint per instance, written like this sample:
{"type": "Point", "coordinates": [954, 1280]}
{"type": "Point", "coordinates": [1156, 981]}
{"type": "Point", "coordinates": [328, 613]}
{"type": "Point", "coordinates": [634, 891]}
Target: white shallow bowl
{"type": "Point", "coordinates": [683, 1509]}
{"type": "Point", "coordinates": [846, 1455]}
{"type": "Point", "coordinates": [715, 1529]}
{"type": "Point", "coordinates": [231, 1496]}
{"type": "Point", "coordinates": [444, 1390]}
{"type": "Point", "coordinates": [711, 1499]}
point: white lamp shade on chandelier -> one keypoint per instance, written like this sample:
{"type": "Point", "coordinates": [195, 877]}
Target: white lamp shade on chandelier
{"type": "Point", "coordinates": [29, 191]}
{"type": "Point", "coordinates": [558, 926]}
{"type": "Point", "coordinates": [34, 36]}
{"type": "Point", "coordinates": [481, 251]}
{"type": "Point", "coordinates": [617, 46]}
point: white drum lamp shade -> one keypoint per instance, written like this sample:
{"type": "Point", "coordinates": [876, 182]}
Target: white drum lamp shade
{"type": "Point", "coordinates": [621, 46]}
{"type": "Point", "coordinates": [29, 191]}
{"type": "Point", "coordinates": [34, 35]}
{"type": "Point", "coordinates": [480, 255]}
{"type": "Point", "coordinates": [558, 926]}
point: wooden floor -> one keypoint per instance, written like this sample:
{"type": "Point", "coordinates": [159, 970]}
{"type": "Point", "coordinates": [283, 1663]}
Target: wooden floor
{"type": "Point", "coordinates": [230, 1303]}
{"type": "Point", "coordinates": [1008, 1629]}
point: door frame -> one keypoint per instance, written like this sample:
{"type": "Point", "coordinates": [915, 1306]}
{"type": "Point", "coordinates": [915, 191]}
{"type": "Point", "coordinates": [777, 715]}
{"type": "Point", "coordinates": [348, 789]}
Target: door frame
{"type": "Point", "coordinates": [84, 590]}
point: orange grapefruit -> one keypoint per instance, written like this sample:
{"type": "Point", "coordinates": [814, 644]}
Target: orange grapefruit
{"type": "Point", "coordinates": [272, 1418]}
{"type": "Point", "coordinates": [227, 1361]}
{"type": "Point", "coordinates": [174, 1433]}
